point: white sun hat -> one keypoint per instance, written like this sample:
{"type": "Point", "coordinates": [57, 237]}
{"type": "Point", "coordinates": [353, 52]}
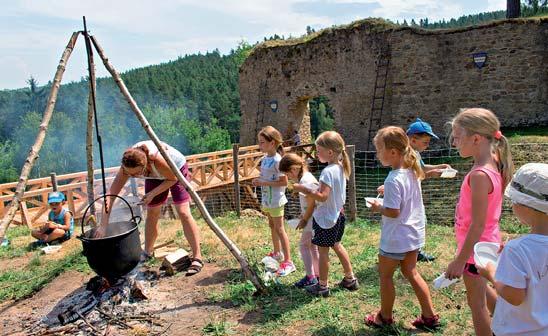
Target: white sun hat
{"type": "Point", "coordinates": [529, 186]}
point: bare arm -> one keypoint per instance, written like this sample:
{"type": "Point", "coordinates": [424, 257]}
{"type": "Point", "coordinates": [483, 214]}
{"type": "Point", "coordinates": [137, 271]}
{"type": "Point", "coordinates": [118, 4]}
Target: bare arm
{"type": "Point", "coordinates": [434, 170]}
{"type": "Point", "coordinates": [66, 220]}
{"type": "Point", "coordinates": [169, 178]}
{"type": "Point", "coordinates": [310, 204]}
{"type": "Point", "coordinates": [480, 185]}
{"type": "Point", "coordinates": [388, 212]}
{"type": "Point", "coordinates": [320, 195]}
{"type": "Point", "coordinates": [514, 296]}
{"type": "Point", "coordinates": [280, 182]}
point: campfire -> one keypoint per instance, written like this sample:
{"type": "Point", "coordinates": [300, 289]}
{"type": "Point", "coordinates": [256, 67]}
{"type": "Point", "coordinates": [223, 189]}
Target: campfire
{"type": "Point", "coordinates": [105, 307]}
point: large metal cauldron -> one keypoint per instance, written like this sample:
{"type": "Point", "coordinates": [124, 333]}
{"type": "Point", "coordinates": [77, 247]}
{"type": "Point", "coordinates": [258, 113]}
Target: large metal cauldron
{"type": "Point", "coordinates": [118, 252]}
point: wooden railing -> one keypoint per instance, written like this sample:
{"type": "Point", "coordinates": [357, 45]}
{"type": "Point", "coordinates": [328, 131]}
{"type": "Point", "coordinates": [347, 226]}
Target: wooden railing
{"type": "Point", "coordinates": [208, 170]}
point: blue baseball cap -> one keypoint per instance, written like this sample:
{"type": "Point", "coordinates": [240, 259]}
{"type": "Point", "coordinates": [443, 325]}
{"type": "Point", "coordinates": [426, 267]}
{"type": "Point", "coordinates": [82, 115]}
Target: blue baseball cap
{"type": "Point", "coordinates": [56, 197]}
{"type": "Point", "coordinates": [420, 126]}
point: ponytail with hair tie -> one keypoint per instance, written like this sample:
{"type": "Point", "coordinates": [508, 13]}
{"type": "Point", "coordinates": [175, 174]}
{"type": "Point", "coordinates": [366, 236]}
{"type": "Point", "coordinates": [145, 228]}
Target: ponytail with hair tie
{"type": "Point", "coordinates": [497, 135]}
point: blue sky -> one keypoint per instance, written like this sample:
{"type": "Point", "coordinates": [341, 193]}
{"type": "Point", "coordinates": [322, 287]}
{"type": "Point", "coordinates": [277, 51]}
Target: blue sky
{"type": "Point", "coordinates": [139, 33]}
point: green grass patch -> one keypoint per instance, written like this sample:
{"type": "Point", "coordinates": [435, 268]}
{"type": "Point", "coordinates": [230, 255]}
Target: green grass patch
{"type": "Point", "coordinates": [285, 308]}
{"type": "Point", "coordinates": [20, 283]}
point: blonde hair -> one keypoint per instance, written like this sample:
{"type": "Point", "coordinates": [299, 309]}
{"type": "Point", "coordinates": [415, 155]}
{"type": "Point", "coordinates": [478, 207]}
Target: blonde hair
{"type": "Point", "coordinates": [291, 159]}
{"type": "Point", "coordinates": [484, 122]}
{"type": "Point", "coordinates": [269, 133]}
{"type": "Point", "coordinates": [334, 141]}
{"type": "Point", "coordinates": [392, 137]}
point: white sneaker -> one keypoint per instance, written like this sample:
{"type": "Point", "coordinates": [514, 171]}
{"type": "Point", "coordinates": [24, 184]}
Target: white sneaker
{"type": "Point", "coordinates": [286, 268]}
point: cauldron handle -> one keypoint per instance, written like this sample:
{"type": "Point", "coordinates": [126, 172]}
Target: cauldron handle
{"type": "Point", "coordinates": [105, 197]}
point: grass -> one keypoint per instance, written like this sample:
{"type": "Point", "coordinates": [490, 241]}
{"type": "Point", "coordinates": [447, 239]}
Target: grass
{"type": "Point", "coordinates": [20, 283]}
{"type": "Point", "coordinates": [285, 309]}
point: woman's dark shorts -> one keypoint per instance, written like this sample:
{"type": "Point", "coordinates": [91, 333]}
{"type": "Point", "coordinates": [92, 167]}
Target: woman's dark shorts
{"type": "Point", "coordinates": [178, 192]}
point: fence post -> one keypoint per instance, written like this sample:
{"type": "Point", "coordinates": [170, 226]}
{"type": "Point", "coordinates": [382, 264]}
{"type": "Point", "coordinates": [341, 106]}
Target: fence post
{"type": "Point", "coordinates": [236, 170]}
{"type": "Point", "coordinates": [53, 180]}
{"type": "Point", "coordinates": [351, 151]}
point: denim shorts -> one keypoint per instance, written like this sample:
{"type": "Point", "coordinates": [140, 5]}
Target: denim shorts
{"type": "Point", "coordinates": [396, 256]}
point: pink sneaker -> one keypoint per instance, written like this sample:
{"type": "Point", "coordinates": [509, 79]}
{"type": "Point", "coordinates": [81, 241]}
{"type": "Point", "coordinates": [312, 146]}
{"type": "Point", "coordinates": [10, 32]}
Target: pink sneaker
{"type": "Point", "coordinates": [285, 268]}
{"type": "Point", "coordinates": [278, 256]}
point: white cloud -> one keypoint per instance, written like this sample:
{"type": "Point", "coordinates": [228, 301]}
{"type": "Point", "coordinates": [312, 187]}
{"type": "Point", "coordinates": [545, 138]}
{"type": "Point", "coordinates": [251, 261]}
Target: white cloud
{"type": "Point", "coordinates": [495, 5]}
{"type": "Point", "coordinates": [140, 32]}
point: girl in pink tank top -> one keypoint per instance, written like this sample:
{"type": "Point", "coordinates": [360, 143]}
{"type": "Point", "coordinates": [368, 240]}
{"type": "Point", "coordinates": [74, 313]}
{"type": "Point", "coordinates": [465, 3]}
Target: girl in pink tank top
{"type": "Point", "coordinates": [476, 134]}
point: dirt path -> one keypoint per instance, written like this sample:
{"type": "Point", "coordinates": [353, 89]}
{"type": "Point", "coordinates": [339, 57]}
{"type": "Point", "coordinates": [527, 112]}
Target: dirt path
{"type": "Point", "coordinates": [179, 301]}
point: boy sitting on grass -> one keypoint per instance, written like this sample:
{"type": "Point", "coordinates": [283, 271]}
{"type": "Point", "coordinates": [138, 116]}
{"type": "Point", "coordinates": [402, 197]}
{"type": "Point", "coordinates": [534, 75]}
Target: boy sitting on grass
{"type": "Point", "coordinates": [60, 224]}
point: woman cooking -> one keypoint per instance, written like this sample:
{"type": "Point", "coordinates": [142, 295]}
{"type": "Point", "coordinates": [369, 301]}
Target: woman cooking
{"type": "Point", "coordinates": [145, 161]}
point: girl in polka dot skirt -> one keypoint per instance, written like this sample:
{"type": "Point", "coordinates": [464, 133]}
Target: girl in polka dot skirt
{"type": "Point", "coordinates": [328, 218]}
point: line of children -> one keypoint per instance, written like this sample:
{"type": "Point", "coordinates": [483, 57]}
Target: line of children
{"type": "Point", "coordinates": [522, 278]}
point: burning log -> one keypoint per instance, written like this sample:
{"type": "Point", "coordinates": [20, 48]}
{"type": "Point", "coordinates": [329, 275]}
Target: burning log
{"type": "Point", "coordinates": [73, 313]}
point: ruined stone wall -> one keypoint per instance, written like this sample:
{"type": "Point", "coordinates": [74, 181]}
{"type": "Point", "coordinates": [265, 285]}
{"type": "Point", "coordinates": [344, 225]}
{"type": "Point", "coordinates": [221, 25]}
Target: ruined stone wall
{"type": "Point", "coordinates": [431, 75]}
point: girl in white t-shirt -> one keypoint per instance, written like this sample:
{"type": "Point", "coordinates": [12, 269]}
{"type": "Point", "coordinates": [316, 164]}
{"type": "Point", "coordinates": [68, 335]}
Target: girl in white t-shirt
{"type": "Point", "coordinates": [294, 167]}
{"type": "Point", "coordinates": [273, 184]}
{"type": "Point", "coordinates": [328, 218]}
{"type": "Point", "coordinates": [402, 230]}
{"type": "Point", "coordinates": [521, 277]}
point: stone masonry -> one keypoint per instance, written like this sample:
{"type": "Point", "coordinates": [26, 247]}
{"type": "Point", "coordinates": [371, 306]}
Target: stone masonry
{"type": "Point", "coordinates": [431, 75]}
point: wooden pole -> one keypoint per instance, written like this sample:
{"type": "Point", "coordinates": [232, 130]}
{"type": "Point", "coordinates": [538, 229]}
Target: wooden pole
{"type": "Point", "coordinates": [248, 271]}
{"type": "Point", "coordinates": [89, 155]}
{"type": "Point", "coordinates": [89, 128]}
{"type": "Point", "coordinates": [53, 181]}
{"type": "Point", "coordinates": [35, 149]}
{"type": "Point", "coordinates": [236, 170]}
{"type": "Point", "coordinates": [351, 151]}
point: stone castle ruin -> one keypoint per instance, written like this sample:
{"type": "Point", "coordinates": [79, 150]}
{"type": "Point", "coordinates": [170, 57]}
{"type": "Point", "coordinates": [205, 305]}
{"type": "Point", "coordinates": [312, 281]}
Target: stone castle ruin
{"type": "Point", "coordinates": [374, 75]}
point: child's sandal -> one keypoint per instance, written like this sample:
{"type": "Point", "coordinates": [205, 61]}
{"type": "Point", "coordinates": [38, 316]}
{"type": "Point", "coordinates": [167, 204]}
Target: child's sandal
{"type": "Point", "coordinates": [427, 323]}
{"type": "Point", "coordinates": [371, 320]}
{"type": "Point", "coordinates": [195, 267]}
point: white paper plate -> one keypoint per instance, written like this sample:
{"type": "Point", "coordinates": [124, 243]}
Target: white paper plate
{"type": "Point", "coordinates": [293, 223]}
{"type": "Point", "coordinates": [442, 282]}
{"type": "Point", "coordinates": [51, 249]}
{"type": "Point", "coordinates": [485, 252]}
{"type": "Point", "coordinates": [371, 199]}
{"type": "Point", "coordinates": [448, 173]}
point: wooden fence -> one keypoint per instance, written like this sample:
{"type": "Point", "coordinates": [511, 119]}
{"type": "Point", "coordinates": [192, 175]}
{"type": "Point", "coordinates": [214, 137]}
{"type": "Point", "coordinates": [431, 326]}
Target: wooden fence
{"type": "Point", "coordinates": [208, 170]}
